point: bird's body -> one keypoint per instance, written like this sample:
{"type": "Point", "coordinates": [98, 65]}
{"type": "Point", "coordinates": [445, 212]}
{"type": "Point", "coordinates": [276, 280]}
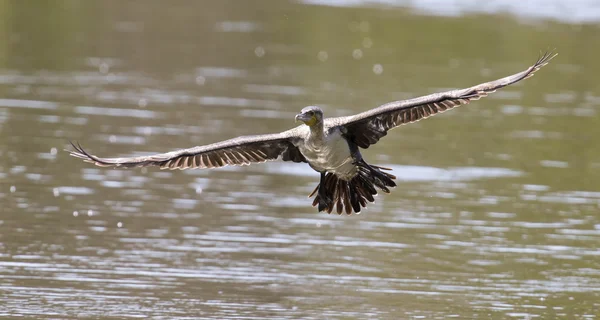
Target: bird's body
{"type": "Point", "coordinates": [328, 152]}
{"type": "Point", "coordinates": [330, 146]}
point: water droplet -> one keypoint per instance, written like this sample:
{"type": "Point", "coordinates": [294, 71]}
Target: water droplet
{"type": "Point", "coordinates": [112, 138]}
{"type": "Point", "coordinates": [357, 54]}
{"type": "Point", "coordinates": [56, 192]}
{"type": "Point", "coordinates": [322, 55]}
{"type": "Point", "coordinates": [13, 189]}
{"type": "Point", "coordinates": [75, 213]}
{"type": "Point", "coordinates": [53, 151]}
{"type": "Point", "coordinates": [367, 42]}
{"type": "Point", "coordinates": [119, 224]}
{"type": "Point", "coordinates": [200, 80]}
{"type": "Point", "coordinates": [90, 213]}
{"type": "Point", "coordinates": [378, 69]}
{"type": "Point", "coordinates": [198, 190]}
{"type": "Point", "coordinates": [143, 103]}
{"type": "Point", "coordinates": [259, 52]}
{"type": "Point", "coordinates": [103, 68]}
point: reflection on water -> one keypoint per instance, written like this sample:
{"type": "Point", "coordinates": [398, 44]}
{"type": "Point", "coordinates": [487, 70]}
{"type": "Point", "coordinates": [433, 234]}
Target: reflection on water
{"type": "Point", "coordinates": [495, 214]}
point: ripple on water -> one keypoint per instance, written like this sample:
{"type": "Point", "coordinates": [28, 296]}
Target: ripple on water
{"type": "Point", "coordinates": [222, 72]}
{"type": "Point", "coordinates": [453, 243]}
{"type": "Point", "coordinates": [238, 26]}
{"type": "Point", "coordinates": [30, 104]}
{"type": "Point", "coordinates": [73, 190]}
{"type": "Point", "coordinates": [412, 173]}
{"type": "Point", "coordinates": [567, 197]}
{"type": "Point", "coordinates": [274, 89]}
{"type": "Point", "coordinates": [114, 112]}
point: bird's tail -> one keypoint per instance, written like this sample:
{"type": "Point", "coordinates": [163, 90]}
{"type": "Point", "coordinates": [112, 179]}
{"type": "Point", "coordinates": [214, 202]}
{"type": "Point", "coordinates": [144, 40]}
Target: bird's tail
{"type": "Point", "coordinates": [351, 195]}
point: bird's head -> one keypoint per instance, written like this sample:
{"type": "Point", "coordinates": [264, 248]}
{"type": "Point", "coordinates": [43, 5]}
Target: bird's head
{"type": "Point", "coordinates": [311, 116]}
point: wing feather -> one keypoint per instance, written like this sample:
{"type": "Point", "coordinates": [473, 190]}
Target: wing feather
{"type": "Point", "coordinates": [368, 127]}
{"type": "Point", "coordinates": [238, 151]}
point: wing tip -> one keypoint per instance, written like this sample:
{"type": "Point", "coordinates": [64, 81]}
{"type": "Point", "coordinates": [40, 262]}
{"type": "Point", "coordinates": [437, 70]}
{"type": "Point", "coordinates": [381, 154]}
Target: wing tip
{"type": "Point", "coordinates": [545, 58]}
{"type": "Point", "coordinates": [80, 153]}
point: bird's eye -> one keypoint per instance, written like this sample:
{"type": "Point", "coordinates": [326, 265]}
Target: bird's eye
{"type": "Point", "coordinates": [311, 113]}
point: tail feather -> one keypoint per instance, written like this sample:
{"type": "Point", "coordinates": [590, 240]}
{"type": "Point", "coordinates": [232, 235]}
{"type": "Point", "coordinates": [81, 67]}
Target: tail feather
{"type": "Point", "coordinates": [339, 195]}
{"type": "Point", "coordinates": [367, 188]}
{"type": "Point", "coordinates": [346, 195]}
{"type": "Point", "coordinates": [313, 193]}
{"type": "Point", "coordinates": [354, 197]}
{"type": "Point", "coordinates": [362, 196]}
{"type": "Point", "coordinates": [350, 196]}
{"type": "Point", "coordinates": [380, 179]}
{"type": "Point", "coordinates": [383, 168]}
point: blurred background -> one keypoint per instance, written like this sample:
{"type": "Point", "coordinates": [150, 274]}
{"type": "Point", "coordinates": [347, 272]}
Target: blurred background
{"type": "Point", "coordinates": [496, 213]}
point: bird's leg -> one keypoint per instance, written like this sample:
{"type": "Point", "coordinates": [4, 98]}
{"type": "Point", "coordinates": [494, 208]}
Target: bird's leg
{"type": "Point", "coordinates": [324, 199]}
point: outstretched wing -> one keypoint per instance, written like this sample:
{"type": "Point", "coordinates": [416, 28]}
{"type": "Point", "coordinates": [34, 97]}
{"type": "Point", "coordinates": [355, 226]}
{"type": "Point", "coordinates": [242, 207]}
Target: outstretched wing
{"type": "Point", "coordinates": [238, 151]}
{"type": "Point", "coordinates": [368, 127]}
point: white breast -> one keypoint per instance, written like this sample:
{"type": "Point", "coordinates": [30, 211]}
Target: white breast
{"type": "Point", "coordinates": [331, 155]}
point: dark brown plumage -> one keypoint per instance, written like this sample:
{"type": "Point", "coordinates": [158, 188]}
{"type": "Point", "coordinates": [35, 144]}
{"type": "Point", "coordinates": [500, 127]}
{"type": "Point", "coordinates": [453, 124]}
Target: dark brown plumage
{"type": "Point", "coordinates": [368, 127]}
{"type": "Point", "coordinates": [330, 146]}
{"type": "Point", "coordinates": [238, 151]}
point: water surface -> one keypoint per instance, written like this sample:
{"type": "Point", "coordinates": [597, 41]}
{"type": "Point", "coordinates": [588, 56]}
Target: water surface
{"type": "Point", "coordinates": [496, 211]}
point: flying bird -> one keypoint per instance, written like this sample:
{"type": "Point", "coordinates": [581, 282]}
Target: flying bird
{"type": "Point", "coordinates": [330, 146]}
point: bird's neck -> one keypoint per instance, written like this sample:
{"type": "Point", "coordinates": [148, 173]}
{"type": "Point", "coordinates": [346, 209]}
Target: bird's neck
{"type": "Point", "coordinates": [316, 132]}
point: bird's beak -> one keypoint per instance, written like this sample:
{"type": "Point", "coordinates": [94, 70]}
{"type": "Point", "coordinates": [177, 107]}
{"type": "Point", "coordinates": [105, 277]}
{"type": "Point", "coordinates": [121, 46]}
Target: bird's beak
{"type": "Point", "coordinates": [302, 117]}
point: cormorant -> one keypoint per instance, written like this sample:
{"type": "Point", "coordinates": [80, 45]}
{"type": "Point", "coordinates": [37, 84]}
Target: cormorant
{"type": "Point", "coordinates": [331, 146]}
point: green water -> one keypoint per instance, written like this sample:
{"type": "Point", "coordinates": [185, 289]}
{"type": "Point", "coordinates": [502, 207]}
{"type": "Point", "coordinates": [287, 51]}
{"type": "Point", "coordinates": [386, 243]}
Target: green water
{"type": "Point", "coordinates": [495, 215]}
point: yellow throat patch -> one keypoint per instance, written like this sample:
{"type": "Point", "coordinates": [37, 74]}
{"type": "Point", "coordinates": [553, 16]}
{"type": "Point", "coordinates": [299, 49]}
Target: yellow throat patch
{"type": "Point", "coordinates": [312, 121]}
